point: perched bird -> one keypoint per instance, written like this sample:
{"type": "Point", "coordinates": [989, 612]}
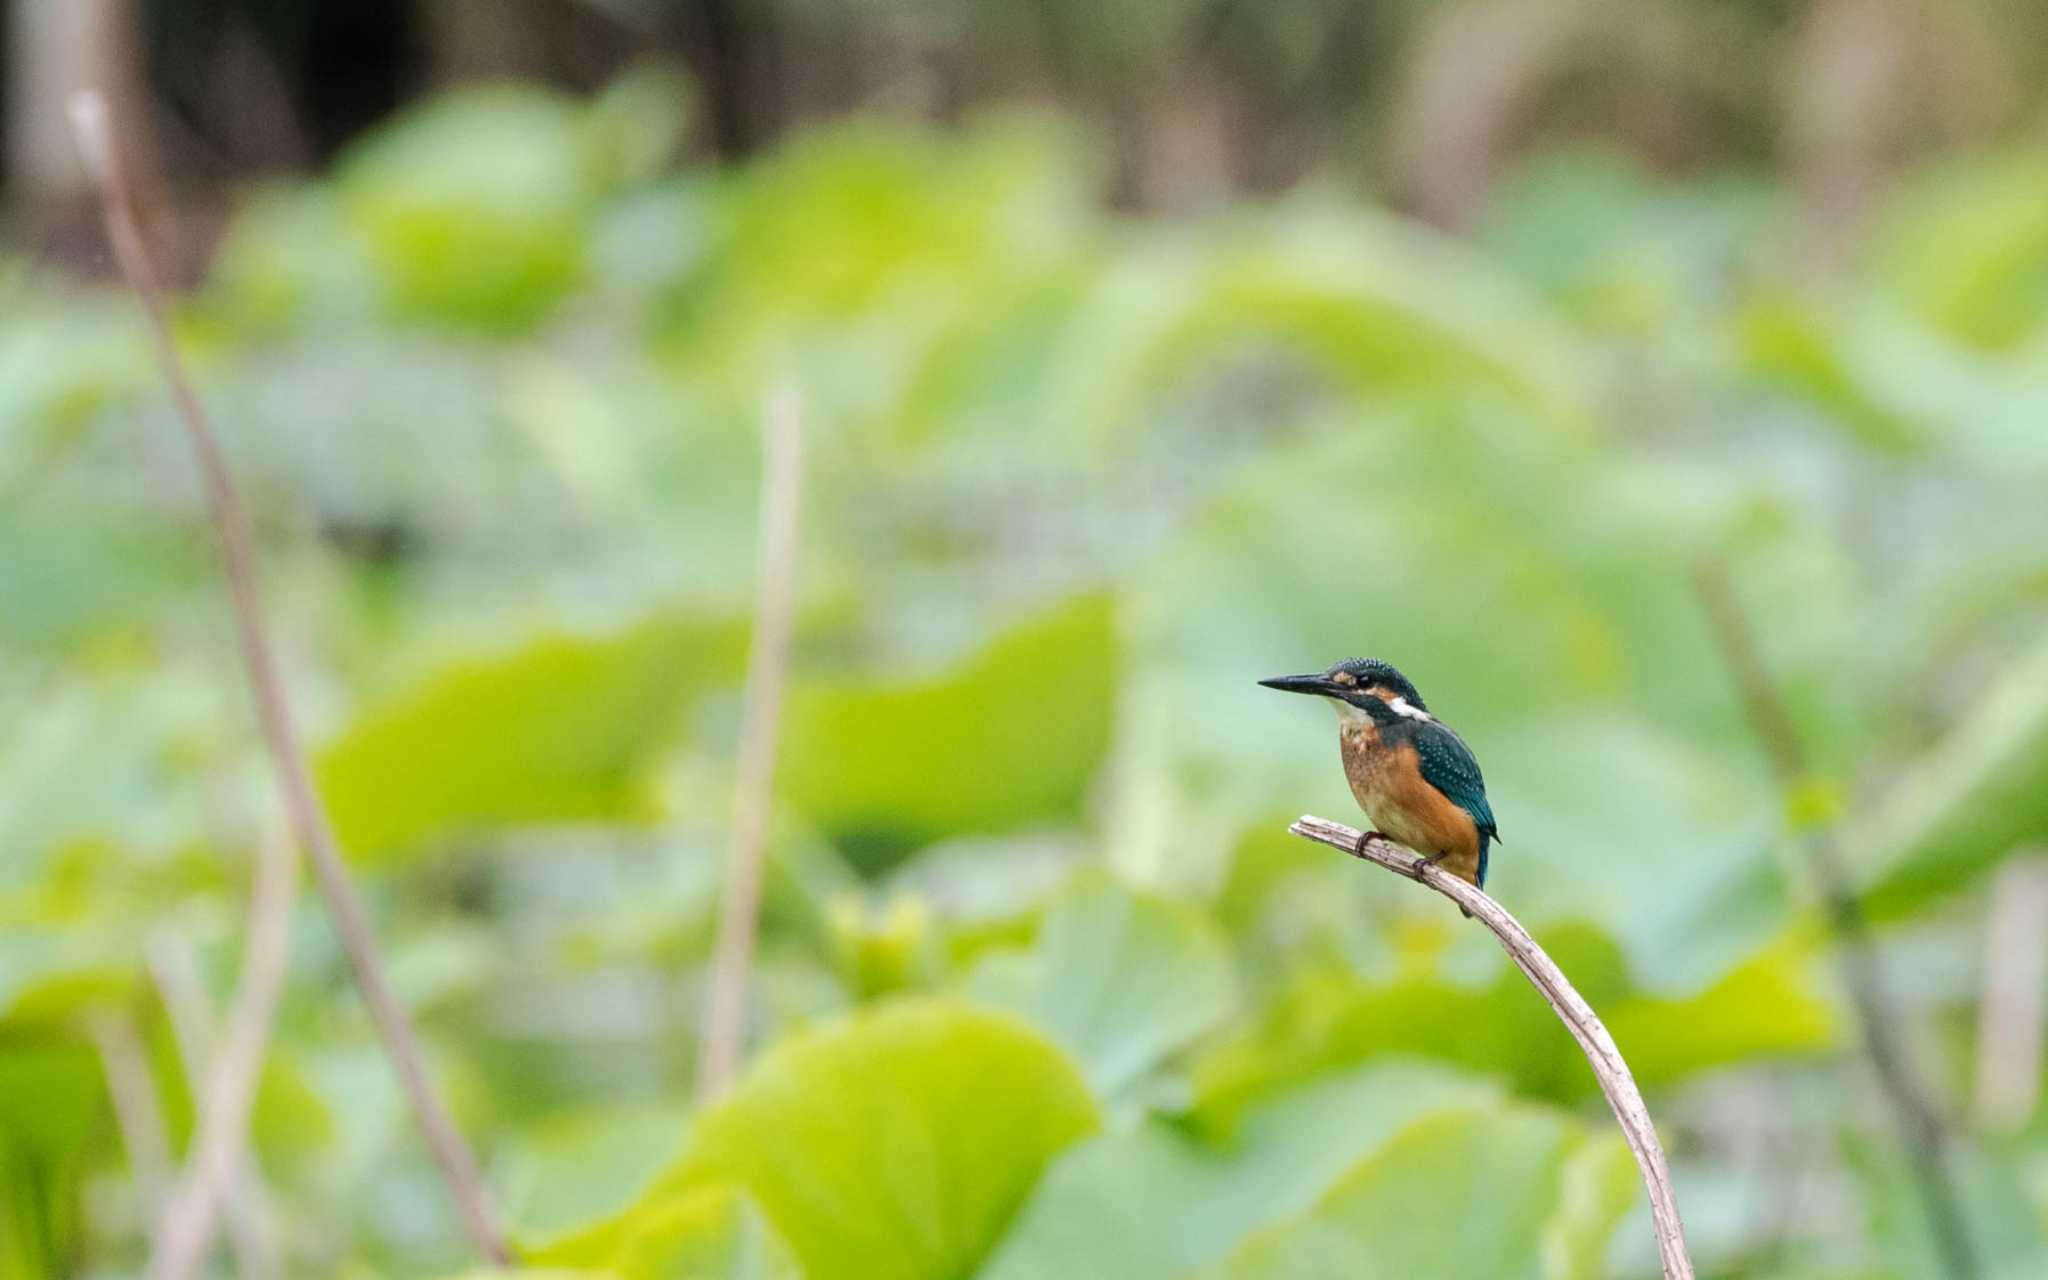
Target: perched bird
{"type": "Point", "coordinates": [1414, 777]}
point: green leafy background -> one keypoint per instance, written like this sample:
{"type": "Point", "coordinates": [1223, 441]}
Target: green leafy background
{"type": "Point", "coordinates": [1044, 988]}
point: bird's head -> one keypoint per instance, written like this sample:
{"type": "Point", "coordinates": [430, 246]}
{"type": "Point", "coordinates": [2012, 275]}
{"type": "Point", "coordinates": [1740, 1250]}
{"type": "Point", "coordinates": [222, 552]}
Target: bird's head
{"type": "Point", "coordinates": [1364, 684]}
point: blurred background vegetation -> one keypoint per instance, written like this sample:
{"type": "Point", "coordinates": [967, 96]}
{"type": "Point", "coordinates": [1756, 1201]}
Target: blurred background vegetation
{"type": "Point", "coordinates": [1147, 349]}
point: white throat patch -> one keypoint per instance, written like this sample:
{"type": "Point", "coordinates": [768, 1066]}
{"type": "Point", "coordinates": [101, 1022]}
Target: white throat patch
{"type": "Point", "coordinates": [1402, 707]}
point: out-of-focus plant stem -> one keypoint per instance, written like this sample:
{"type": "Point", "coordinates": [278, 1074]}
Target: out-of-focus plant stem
{"type": "Point", "coordinates": [739, 919]}
{"type": "Point", "coordinates": [138, 1108]}
{"type": "Point", "coordinates": [308, 818]}
{"type": "Point", "coordinates": [218, 1169]}
{"type": "Point", "coordinates": [2010, 1015]}
{"type": "Point", "coordinates": [174, 966]}
{"type": "Point", "coordinates": [1862, 973]}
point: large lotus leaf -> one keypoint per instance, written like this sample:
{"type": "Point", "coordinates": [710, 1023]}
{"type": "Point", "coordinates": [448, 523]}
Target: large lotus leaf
{"type": "Point", "coordinates": [871, 257]}
{"type": "Point", "coordinates": [473, 207]}
{"type": "Point", "coordinates": [705, 1233]}
{"type": "Point", "coordinates": [1010, 737]}
{"type": "Point", "coordinates": [1765, 1007]}
{"type": "Point", "coordinates": [1352, 304]}
{"type": "Point", "coordinates": [573, 1166]}
{"type": "Point", "coordinates": [1157, 1201]}
{"type": "Point", "coordinates": [563, 728]}
{"type": "Point", "coordinates": [1121, 979]}
{"type": "Point", "coordinates": [1466, 1195]}
{"type": "Point", "coordinates": [895, 1144]}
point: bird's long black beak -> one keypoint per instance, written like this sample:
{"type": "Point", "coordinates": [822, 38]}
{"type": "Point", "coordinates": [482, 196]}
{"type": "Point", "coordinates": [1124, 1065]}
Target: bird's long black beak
{"type": "Point", "coordinates": [1316, 683]}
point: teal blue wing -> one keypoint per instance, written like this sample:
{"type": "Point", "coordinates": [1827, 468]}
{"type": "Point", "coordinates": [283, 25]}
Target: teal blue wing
{"type": "Point", "coordinates": [1448, 765]}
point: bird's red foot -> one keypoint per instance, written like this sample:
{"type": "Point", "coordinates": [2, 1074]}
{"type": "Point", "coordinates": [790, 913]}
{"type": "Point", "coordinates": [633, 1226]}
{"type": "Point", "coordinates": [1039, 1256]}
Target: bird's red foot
{"type": "Point", "coordinates": [1365, 838]}
{"type": "Point", "coordinates": [1430, 860]}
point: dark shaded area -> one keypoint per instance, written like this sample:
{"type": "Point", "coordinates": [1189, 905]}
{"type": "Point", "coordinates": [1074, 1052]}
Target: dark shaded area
{"type": "Point", "coordinates": [343, 65]}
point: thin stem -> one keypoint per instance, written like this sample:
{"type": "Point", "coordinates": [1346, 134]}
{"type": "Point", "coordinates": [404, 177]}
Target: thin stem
{"type": "Point", "coordinates": [218, 1168]}
{"type": "Point", "coordinates": [2013, 1012]}
{"type": "Point", "coordinates": [302, 805]}
{"type": "Point", "coordinates": [1919, 1122]}
{"type": "Point", "coordinates": [1619, 1087]}
{"type": "Point", "coordinates": [739, 918]}
{"type": "Point", "coordinates": [138, 1108]}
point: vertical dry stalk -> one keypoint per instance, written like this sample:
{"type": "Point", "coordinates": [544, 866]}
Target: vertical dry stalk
{"type": "Point", "coordinates": [1919, 1122]}
{"type": "Point", "coordinates": [217, 1168]}
{"type": "Point", "coordinates": [308, 819]}
{"type": "Point", "coordinates": [174, 965]}
{"type": "Point", "coordinates": [1616, 1082]}
{"type": "Point", "coordinates": [2013, 1014]}
{"type": "Point", "coordinates": [739, 919]}
{"type": "Point", "coordinates": [138, 1109]}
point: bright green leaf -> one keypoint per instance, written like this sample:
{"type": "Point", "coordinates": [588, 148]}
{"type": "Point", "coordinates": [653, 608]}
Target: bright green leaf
{"type": "Point", "coordinates": [473, 207]}
{"type": "Point", "coordinates": [1122, 979]}
{"type": "Point", "coordinates": [1156, 1201]}
{"type": "Point", "coordinates": [1765, 1006]}
{"type": "Point", "coordinates": [1010, 737]}
{"type": "Point", "coordinates": [896, 1144]}
{"type": "Point", "coordinates": [706, 1233]}
{"type": "Point", "coordinates": [1460, 1196]}
{"type": "Point", "coordinates": [564, 728]}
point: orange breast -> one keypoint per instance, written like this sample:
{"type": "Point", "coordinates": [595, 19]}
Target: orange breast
{"type": "Point", "coordinates": [1388, 784]}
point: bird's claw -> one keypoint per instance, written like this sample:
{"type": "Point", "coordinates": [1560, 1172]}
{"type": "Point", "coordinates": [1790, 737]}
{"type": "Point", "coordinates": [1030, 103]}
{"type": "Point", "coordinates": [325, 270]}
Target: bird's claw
{"type": "Point", "coordinates": [1365, 838]}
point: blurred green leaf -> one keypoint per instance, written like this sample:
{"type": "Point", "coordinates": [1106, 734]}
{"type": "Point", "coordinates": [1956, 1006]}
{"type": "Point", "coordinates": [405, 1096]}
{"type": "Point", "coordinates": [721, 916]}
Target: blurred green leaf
{"type": "Point", "coordinates": [1501, 1169]}
{"type": "Point", "coordinates": [1971, 798]}
{"type": "Point", "coordinates": [1768, 1007]}
{"type": "Point", "coordinates": [473, 207]}
{"type": "Point", "coordinates": [289, 258]}
{"type": "Point", "coordinates": [1795, 349]}
{"type": "Point", "coordinates": [564, 728]}
{"type": "Point", "coordinates": [1600, 1185]}
{"type": "Point", "coordinates": [705, 1233]}
{"type": "Point", "coordinates": [1968, 249]}
{"type": "Point", "coordinates": [1155, 1201]}
{"type": "Point", "coordinates": [1121, 979]}
{"type": "Point", "coordinates": [1765, 1007]}
{"type": "Point", "coordinates": [1012, 736]}
{"type": "Point", "coordinates": [898, 1143]}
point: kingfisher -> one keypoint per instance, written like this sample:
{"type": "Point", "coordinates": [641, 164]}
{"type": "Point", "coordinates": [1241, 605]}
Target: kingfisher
{"type": "Point", "coordinates": [1415, 778]}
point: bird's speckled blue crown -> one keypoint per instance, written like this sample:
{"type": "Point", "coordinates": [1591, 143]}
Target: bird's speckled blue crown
{"type": "Point", "coordinates": [1373, 671]}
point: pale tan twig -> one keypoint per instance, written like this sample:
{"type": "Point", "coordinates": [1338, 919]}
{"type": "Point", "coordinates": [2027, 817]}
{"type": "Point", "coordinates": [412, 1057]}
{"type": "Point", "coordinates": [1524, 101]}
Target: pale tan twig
{"type": "Point", "coordinates": [1912, 1106]}
{"type": "Point", "coordinates": [308, 818]}
{"type": "Point", "coordinates": [217, 1169]}
{"type": "Point", "coordinates": [1609, 1069]}
{"type": "Point", "coordinates": [739, 918]}
{"type": "Point", "coordinates": [2013, 1012]}
{"type": "Point", "coordinates": [138, 1108]}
